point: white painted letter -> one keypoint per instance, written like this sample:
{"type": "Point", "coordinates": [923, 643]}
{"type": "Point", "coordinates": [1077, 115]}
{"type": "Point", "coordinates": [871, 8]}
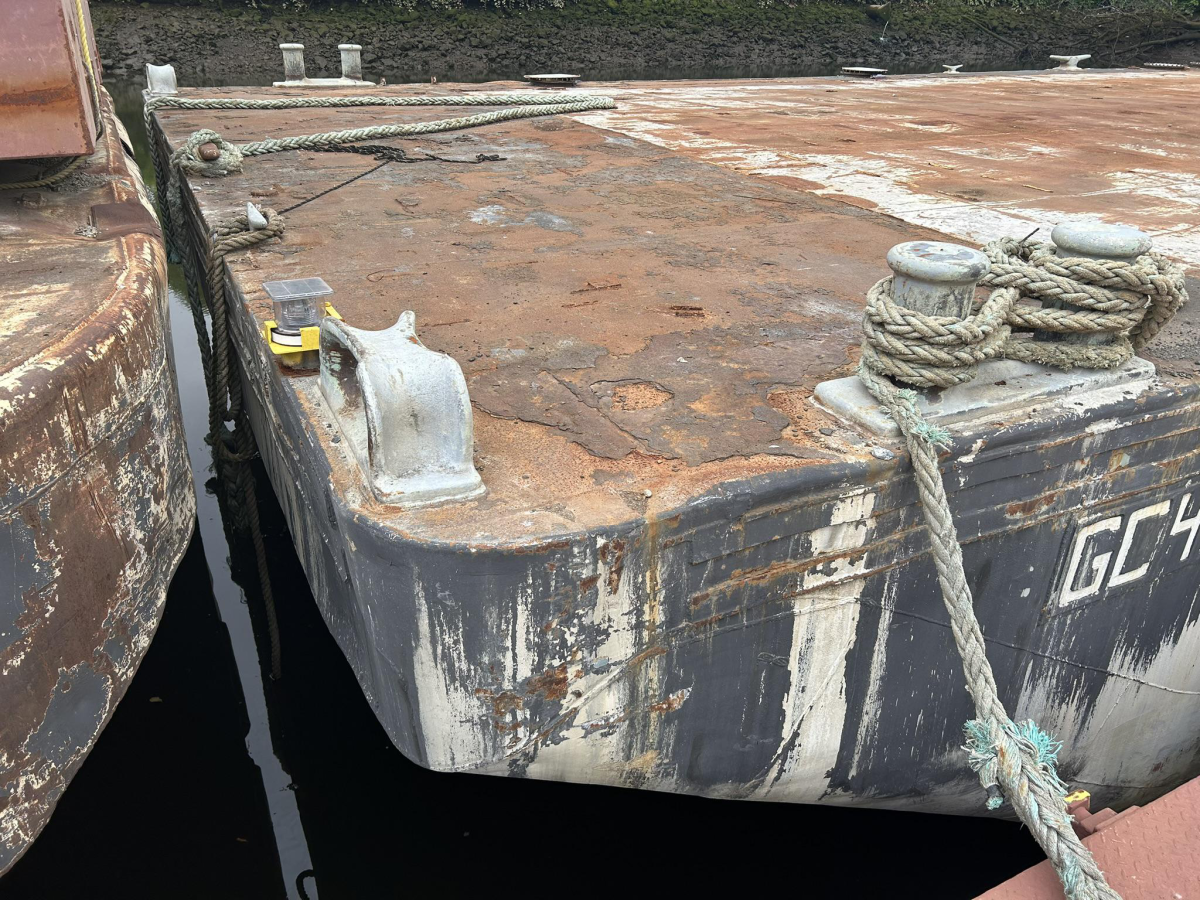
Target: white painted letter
{"type": "Point", "coordinates": [1149, 512]}
{"type": "Point", "coordinates": [1189, 525]}
{"type": "Point", "coordinates": [1069, 594]}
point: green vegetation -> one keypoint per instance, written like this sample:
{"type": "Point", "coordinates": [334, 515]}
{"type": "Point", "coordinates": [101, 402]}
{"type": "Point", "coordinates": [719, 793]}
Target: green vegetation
{"type": "Point", "coordinates": [716, 9]}
{"type": "Point", "coordinates": [478, 38]}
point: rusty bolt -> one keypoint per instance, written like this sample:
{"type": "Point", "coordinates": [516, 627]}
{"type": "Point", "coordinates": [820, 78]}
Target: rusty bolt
{"type": "Point", "coordinates": [208, 152]}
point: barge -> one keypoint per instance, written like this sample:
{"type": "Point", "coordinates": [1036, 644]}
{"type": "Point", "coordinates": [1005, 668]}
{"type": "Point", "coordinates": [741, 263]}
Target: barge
{"type": "Point", "coordinates": [96, 499]}
{"type": "Point", "coordinates": [557, 471]}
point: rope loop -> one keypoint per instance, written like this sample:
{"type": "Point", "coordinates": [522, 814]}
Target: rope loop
{"type": "Point", "coordinates": [1033, 291]}
{"type": "Point", "coordinates": [187, 157]}
{"type": "Point", "coordinates": [932, 351]}
{"type": "Point", "coordinates": [236, 232]}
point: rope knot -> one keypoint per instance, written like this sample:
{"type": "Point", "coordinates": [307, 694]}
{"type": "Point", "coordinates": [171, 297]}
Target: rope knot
{"type": "Point", "coordinates": [1033, 290]}
{"type": "Point", "coordinates": [238, 232]}
{"type": "Point", "coordinates": [189, 159]}
{"type": "Point", "coordinates": [931, 351]}
{"type": "Point", "coordinates": [1127, 301]}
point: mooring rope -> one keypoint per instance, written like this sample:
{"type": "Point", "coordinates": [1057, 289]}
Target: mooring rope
{"type": "Point", "coordinates": [55, 173]}
{"type": "Point", "coordinates": [1128, 301]}
{"type": "Point", "coordinates": [186, 160]}
{"type": "Point", "coordinates": [238, 233]}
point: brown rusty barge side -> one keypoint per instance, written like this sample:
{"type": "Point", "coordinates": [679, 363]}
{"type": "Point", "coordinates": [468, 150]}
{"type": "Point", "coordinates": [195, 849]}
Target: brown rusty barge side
{"type": "Point", "coordinates": [96, 498]}
{"type": "Point", "coordinates": [683, 574]}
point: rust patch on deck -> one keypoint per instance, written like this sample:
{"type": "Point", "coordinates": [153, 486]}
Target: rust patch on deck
{"type": "Point", "coordinates": [598, 292]}
{"type": "Point", "coordinates": [974, 156]}
{"type": "Point", "coordinates": [643, 300]}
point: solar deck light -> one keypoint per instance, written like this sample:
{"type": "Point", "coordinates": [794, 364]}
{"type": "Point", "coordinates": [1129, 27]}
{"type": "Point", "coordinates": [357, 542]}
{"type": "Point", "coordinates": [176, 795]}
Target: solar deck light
{"type": "Point", "coordinates": [298, 304]}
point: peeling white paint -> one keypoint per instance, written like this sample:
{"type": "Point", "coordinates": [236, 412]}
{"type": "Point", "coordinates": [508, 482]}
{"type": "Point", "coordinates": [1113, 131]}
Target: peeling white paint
{"type": "Point", "coordinates": [823, 629]}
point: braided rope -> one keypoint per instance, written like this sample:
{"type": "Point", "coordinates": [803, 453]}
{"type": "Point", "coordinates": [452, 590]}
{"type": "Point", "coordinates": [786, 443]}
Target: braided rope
{"type": "Point", "coordinates": [53, 176]}
{"type": "Point", "coordinates": [187, 157]}
{"type": "Point", "coordinates": [217, 352]}
{"type": "Point", "coordinates": [1130, 302]}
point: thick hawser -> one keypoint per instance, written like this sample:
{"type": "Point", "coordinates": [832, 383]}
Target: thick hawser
{"type": "Point", "coordinates": [685, 575]}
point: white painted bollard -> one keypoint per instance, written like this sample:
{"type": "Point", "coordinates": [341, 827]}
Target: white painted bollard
{"type": "Point", "coordinates": [160, 80]}
{"type": "Point", "coordinates": [1094, 240]}
{"type": "Point", "coordinates": [351, 61]}
{"type": "Point", "coordinates": [1070, 62]}
{"type": "Point", "coordinates": [293, 62]}
{"type": "Point", "coordinates": [952, 70]}
{"type": "Point", "coordinates": [936, 278]}
{"type": "Point", "coordinates": [939, 279]}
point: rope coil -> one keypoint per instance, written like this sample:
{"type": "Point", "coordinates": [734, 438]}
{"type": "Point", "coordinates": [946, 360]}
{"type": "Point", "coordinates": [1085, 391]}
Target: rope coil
{"type": "Point", "coordinates": [1127, 301]}
{"type": "Point", "coordinates": [1130, 302]}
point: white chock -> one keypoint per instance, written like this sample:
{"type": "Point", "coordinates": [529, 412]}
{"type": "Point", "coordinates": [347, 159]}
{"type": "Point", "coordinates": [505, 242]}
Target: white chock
{"type": "Point", "coordinates": [1070, 62]}
{"type": "Point", "coordinates": [160, 80]}
{"type": "Point", "coordinates": [403, 409]}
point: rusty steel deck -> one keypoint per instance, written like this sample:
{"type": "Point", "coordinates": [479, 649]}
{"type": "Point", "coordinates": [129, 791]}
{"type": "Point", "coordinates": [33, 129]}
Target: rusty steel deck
{"type": "Point", "coordinates": [972, 156]}
{"type": "Point", "coordinates": [96, 499]}
{"type": "Point", "coordinates": [683, 574]}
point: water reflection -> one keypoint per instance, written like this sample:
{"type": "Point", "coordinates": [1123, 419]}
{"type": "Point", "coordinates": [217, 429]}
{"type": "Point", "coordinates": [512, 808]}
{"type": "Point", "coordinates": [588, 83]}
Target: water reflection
{"type": "Point", "coordinates": [213, 780]}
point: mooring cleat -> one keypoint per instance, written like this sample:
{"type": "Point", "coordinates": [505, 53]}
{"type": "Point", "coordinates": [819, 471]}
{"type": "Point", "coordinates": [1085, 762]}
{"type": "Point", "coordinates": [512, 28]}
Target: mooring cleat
{"type": "Point", "coordinates": [1070, 62]}
{"type": "Point", "coordinates": [294, 74]}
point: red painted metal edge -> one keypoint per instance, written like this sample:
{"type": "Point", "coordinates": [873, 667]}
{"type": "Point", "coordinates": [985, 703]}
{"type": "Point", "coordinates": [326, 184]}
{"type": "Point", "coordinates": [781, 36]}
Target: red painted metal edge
{"type": "Point", "coordinates": [47, 58]}
{"type": "Point", "coordinates": [1147, 853]}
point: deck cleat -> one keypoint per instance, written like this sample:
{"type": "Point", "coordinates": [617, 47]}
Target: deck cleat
{"type": "Point", "coordinates": [1070, 63]}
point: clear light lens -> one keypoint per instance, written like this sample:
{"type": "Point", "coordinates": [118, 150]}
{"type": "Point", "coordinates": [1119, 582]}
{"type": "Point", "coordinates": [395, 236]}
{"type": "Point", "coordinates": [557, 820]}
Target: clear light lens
{"type": "Point", "coordinates": [297, 302]}
{"type": "Point", "coordinates": [297, 314]}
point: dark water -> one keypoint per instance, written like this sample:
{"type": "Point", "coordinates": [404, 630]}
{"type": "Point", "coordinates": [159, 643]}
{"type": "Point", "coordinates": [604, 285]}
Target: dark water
{"type": "Point", "coordinates": [212, 780]}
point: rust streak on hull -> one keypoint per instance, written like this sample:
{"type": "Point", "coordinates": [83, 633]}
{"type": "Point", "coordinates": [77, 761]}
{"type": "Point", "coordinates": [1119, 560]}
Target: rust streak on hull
{"type": "Point", "coordinates": [96, 498]}
{"type": "Point", "coordinates": [684, 575]}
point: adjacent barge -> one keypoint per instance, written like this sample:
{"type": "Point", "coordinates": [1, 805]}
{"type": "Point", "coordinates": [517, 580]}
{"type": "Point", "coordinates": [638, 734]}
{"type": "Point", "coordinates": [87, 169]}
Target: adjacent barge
{"type": "Point", "coordinates": [97, 504]}
{"type": "Point", "coordinates": [685, 575]}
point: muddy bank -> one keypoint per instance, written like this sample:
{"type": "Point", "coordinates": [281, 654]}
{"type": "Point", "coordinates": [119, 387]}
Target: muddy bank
{"type": "Point", "coordinates": [626, 40]}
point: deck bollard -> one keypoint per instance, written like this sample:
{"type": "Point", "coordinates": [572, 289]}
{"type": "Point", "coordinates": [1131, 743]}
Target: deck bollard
{"type": "Point", "coordinates": [351, 61]}
{"type": "Point", "coordinates": [1070, 62]}
{"type": "Point", "coordinates": [293, 62]}
{"type": "Point", "coordinates": [936, 278]}
{"type": "Point", "coordinates": [939, 279]}
{"type": "Point", "coordinates": [160, 80]}
{"type": "Point", "coordinates": [1093, 240]}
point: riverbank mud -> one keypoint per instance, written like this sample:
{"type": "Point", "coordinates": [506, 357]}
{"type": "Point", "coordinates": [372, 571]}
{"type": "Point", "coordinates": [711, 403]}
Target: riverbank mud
{"type": "Point", "coordinates": [629, 39]}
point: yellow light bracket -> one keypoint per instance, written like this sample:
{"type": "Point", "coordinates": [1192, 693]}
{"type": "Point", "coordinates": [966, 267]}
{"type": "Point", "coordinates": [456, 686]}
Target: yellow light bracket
{"type": "Point", "coordinates": [310, 336]}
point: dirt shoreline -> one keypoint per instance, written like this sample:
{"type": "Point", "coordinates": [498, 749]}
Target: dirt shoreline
{"type": "Point", "coordinates": [208, 45]}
